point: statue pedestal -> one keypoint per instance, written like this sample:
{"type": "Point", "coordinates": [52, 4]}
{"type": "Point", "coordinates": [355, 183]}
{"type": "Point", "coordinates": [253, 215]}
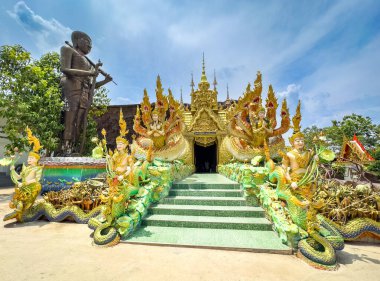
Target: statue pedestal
{"type": "Point", "coordinates": [61, 172]}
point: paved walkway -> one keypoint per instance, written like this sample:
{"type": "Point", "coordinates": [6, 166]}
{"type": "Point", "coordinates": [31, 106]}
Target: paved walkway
{"type": "Point", "coordinates": [63, 251]}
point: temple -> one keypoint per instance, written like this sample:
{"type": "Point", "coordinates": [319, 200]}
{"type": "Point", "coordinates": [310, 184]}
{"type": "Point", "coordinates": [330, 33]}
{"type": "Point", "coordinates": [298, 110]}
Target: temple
{"type": "Point", "coordinates": [207, 174]}
{"type": "Point", "coordinates": [213, 132]}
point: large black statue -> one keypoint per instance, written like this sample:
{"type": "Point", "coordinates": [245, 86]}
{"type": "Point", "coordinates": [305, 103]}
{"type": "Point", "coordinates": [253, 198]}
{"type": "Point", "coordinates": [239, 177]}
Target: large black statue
{"type": "Point", "coordinates": [78, 84]}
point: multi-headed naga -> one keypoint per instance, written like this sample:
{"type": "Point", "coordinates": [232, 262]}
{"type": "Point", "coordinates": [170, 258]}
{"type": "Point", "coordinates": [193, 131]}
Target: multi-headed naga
{"type": "Point", "coordinates": [251, 124]}
{"type": "Point", "coordinates": [160, 127]}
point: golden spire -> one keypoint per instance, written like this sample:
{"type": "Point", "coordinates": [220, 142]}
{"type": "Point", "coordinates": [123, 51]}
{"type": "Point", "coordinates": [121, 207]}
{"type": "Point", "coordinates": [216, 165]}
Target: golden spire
{"type": "Point", "coordinates": [204, 85]}
{"type": "Point", "coordinates": [215, 83]}
{"type": "Point", "coordinates": [192, 82]}
{"type": "Point", "coordinates": [203, 78]}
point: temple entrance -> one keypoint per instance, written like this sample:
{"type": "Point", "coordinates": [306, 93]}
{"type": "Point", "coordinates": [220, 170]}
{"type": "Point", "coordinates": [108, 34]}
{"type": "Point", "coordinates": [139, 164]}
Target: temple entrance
{"type": "Point", "coordinates": [205, 158]}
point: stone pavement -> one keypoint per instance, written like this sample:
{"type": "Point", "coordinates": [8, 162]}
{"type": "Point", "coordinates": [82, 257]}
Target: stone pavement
{"type": "Point", "coordinates": [64, 251]}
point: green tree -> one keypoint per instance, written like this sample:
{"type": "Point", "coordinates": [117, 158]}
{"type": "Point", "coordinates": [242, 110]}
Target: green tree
{"type": "Point", "coordinates": [375, 167]}
{"type": "Point", "coordinates": [98, 108]}
{"type": "Point", "coordinates": [366, 131]}
{"type": "Point", "coordinates": [30, 96]}
{"type": "Point", "coordinates": [310, 133]}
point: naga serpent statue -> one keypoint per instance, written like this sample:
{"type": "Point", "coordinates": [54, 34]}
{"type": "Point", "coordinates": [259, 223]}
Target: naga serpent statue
{"type": "Point", "coordinates": [161, 127]}
{"type": "Point", "coordinates": [124, 178]}
{"type": "Point", "coordinates": [296, 183]}
{"type": "Point", "coordinates": [250, 124]}
{"type": "Point", "coordinates": [27, 209]}
{"type": "Point", "coordinates": [293, 206]}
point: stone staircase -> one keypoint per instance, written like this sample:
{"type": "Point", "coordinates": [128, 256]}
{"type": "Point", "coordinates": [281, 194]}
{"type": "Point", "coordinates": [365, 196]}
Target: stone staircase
{"type": "Point", "coordinates": [208, 211]}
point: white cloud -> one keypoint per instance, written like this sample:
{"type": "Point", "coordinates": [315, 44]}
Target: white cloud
{"type": "Point", "coordinates": [126, 100]}
{"type": "Point", "coordinates": [290, 89]}
{"type": "Point", "coordinates": [168, 38]}
{"type": "Point", "coordinates": [48, 34]}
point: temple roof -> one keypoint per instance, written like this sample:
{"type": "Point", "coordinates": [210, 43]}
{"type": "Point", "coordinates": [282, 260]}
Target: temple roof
{"type": "Point", "coordinates": [353, 150]}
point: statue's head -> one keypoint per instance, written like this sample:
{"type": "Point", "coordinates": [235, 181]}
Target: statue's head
{"type": "Point", "coordinates": [155, 114]}
{"type": "Point", "coordinates": [81, 41]}
{"type": "Point", "coordinates": [297, 140]}
{"type": "Point", "coordinates": [121, 144]}
{"type": "Point", "coordinates": [33, 158]}
{"type": "Point", "coordinates": [261, 112]}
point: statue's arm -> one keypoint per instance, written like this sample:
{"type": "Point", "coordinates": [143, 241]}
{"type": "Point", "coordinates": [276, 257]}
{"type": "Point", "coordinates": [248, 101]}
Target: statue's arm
{"type": "Point", "coordinates": [286, 166]}
{"type": "Point", "coordinates": [66, 57]}
{"type": "Point", "coordinates": [14, 174]}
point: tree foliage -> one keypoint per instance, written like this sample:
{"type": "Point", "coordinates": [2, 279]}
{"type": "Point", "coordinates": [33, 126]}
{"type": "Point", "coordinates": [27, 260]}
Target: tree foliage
{"type": "Point", "coordinates": [363, 127]}
{"type": "Point", "coordinates": [310, 133]}
{"type": "Point", "coordinates": [30, 96]}
{"type": "Point", "coordinates": [375, 166]}
{"type": "Point", "coordinates": [98, 108]}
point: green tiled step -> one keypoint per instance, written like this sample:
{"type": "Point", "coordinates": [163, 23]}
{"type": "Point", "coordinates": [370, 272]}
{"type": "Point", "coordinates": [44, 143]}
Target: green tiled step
{"type": "Point", "coordinates": [206, 181]}
{"type": "Point", "coordinates": [199, 210]}
{"type": "Point", "coordinates": [206, 192]}
{"type": "Point", "coordinates": [205, 186]}
{"type": "Point", "coordinates": [203, 200]}
{"type": "Point", "coordinates": [246, 223]}
{"type": "Point", "coordinates": [226, 239]}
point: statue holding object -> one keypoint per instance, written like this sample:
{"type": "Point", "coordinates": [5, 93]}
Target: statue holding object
{"type": "Point", "coordinates": [78, 85]}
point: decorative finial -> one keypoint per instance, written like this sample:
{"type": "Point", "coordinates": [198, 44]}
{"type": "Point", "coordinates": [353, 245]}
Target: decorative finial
{"type": "Point", "coordinates": [181, 97]}
{"type": "Point", "coordinates": [215, 83]}
{"type": "Point", "coordinates": [192, 82]}
{"type": "Point", "coordinates": [203, 78]}
{"type": "Point", "coordinates": [203, 63]}
{"type": "Point", "coordinates": [228, 93]}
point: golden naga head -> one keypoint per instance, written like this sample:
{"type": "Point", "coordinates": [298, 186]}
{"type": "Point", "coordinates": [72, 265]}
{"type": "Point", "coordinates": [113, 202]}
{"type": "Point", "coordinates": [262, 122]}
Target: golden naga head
{"type": "Point", "coordinates": [296, 125]}
{"type": "Point", "coordinates": [36, 144]}
{"type": "Point", "coordinates": [161, 100]}
{"type": "Point", "coordinates": [155, 112]}
{"type": "Point", "coordinates": [173, 104]}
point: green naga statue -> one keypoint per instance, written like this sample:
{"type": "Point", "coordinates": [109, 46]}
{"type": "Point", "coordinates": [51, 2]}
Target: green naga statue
{"type": "Point", "coordinates": [27, 182]}
{"type": "Point", "coordinates": [124, 178]}
{"type": "Point", "coordinates": [296, 185]}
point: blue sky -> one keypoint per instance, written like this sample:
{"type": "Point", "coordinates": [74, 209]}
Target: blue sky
{"type": "Point", "coordinates": [326, 53]}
